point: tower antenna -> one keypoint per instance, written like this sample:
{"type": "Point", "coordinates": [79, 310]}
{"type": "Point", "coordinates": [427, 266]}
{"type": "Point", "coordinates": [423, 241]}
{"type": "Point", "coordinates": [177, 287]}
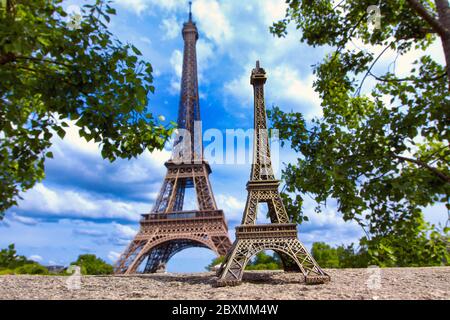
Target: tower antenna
{"type": "Point", "coordinates": [190, 10]}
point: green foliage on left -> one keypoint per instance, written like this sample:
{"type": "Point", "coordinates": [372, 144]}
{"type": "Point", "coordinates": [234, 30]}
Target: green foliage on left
{"type": "Point", "coordinates": [91, 265]}
{"type": "Point", "coordinates": [11, 263]}
{"type": "Point", "coordinates": [54, 70]}
{"type": "Point", "coordinates": [32, 268]}
{"type": "Point", "coordinates": [10, 260]}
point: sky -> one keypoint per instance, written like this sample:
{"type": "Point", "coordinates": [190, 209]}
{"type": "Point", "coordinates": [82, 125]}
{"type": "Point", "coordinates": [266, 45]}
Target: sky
{"type": "Point", "coordinates": [89, 205]}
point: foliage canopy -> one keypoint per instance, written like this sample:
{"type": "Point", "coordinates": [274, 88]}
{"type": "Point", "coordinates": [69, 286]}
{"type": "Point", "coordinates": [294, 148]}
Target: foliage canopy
{"type": "Point", "coordinates": [58, 69]}
{"type": "Point", "coordinates": [382, 151]}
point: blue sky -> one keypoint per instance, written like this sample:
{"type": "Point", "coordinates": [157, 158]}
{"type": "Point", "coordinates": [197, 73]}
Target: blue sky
{"type": "Point", "coordinates": [89, 205]}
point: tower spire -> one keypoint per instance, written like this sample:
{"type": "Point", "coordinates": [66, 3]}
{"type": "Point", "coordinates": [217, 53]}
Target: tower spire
{"type": "Point", "coordinates": [188, 144]}
{"type": "Point", "coordinates": [190, 11]}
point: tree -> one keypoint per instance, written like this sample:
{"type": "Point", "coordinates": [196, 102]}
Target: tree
{"type": "Point", "coordinates": [56, 69]}
{"type": "Point", "coordinates": [31, 268]}
{"type": "Point", "coordinates": [325, 256]}
{"type": "Point", "coordinates": [382, 152]}
{"type": "Point", "coordinates": [263, 261]}
{"type": "Point", "coordinates": [215, 262]}
{"type": "Point", "coordinates": [12, 263]}
{"type": "Point", "coordinates": [339, 257]}
{"type": "Point", "coordinates": [10, 260]}
{"type": "Point", "coordinates": [91, 265]}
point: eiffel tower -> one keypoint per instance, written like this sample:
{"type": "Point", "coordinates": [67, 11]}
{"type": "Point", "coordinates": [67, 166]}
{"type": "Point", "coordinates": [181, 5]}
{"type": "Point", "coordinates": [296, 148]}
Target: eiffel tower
{"type": "Point", "coordinates": [280, 235]}
{"type": "Point", "coordinates": [169, 229]}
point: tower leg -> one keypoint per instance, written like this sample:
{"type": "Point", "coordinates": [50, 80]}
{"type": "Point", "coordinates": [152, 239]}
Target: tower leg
{"type": "Point", "coordinates": [293, 254]}
{"type": "Point", "coordinates": [232, 269]}
{"type": "Point", "coordinates": [157, 259]}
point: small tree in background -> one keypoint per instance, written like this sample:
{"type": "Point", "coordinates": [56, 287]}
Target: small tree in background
{"type": "Point", "coordinates": [263, 261]}
{"type": "Point", "coordinates": [91, 265]}
{"type": "Point", "coordinates": [31, 268]}
{"type": "Point", "coordinates": [325, 256]}
{"type": "Point", "coordinates": [9, 259]}
{"type": "Point", "coordinates": [339, 257]}
{"type": "Point", "coordinates": [12, 263]}
{"type": "Point", "coordinates": [215, 262]}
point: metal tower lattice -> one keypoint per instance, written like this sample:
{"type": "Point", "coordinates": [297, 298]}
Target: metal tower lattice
{"type": "Point", "coordinates": [280, 235]}
{"type": "Point", "coordinates": [169, 229]}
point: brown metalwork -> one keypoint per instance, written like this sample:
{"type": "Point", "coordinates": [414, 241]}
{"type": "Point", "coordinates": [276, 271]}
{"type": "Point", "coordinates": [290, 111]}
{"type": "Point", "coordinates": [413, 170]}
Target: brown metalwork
{"type": "Point", "coordinates": [280, 235]}
{"type": "Point", "coordinates": [169, 229]}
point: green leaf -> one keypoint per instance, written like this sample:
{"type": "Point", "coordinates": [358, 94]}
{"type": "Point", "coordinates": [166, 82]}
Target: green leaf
{"type": "Point", "coordinates": [136, 51]}
{"type": "Point", "coordinates": [61, 132]}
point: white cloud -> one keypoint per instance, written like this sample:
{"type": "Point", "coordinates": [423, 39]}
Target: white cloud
{"type": "Point", "coordinates": [148, 6]}
{"type": "Point", "coordinates": [145, 40]}
{"type": "Point", "coordinates": [124, 231]}
{"type": "Point", "coordinates": [273, 10]}
{"type": "Point", "coordinates": [176, 61]}
{"type": "Point", "coordinates": [285, 87]}
{"type": "Point", "coordinates": [73, 141]}
{"type": "Point", "coordinates": [89, 232]}
{"type": "Point", "coordinates": [36, 257]}
{"type": "Point", "coordinates": [113, 256]}
{"type": "Point", "coordinates": [209, 15]}
{"type": "Point", "coordinates": [141, 169]}
{"type": "Point", "coordinates": [71, 203]}
{"type": "Point", "coordinates": [327, 226]}
{"type": "Point", "coordinates": [24, 220]}
{"type": "Point", "coordinates": [171, 27]}
{"type": "Point", "coordinates": [174, 87]}
{"type": "Point", "coordinates": [390, 61]}
{"type": "Point", "coordinates": [232, 207]}
{"type": "Point", "coordinates": [289, 85]}
{"type": "Point", "coordinates": [205, 52]}
{"type": "Point", "coordinates": [138, 6]}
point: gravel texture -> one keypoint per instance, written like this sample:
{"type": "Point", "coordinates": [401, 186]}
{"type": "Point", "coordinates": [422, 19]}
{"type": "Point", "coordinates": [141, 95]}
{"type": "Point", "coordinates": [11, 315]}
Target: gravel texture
{"type": "Point", "coordinates": [388, 283]}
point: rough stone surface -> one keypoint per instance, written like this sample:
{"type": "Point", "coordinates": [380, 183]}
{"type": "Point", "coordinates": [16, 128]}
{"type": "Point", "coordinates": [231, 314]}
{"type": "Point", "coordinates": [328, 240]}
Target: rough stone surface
{"type": "Point", "coordinates": [396, 283]}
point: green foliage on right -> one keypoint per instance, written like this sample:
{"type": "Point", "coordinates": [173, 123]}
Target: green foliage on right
{"type": "Point", "coordinates": [339, 257]}
{"type": "Point", "coordinates": [421, 246]}
{"type": "Point", "coordinates": [422, 250]}
{"type": "Point", "coordinates": [381, 148]}
{"type": "Point", "coordinates": [91, 265]}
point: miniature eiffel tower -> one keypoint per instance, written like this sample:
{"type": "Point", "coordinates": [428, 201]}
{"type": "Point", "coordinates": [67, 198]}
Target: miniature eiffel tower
{"type": "Point", "coordinates": [280, 235]}
{"type": "Point", "coordinates": [169, 229]}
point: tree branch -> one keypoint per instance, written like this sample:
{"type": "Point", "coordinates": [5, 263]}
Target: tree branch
{"type": "Point", "coordinates": [7, 57]}
{"type": "Point", "coordinates": [428, 17]}
{"type": "Point", "coordinates": [422, 164]}
{"type": "Point", "coordinates": [424, 79]}
{"type": "Point", "coordinates": [358, 91]}
{"type": "Point", "coordinates": [45, 60]}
